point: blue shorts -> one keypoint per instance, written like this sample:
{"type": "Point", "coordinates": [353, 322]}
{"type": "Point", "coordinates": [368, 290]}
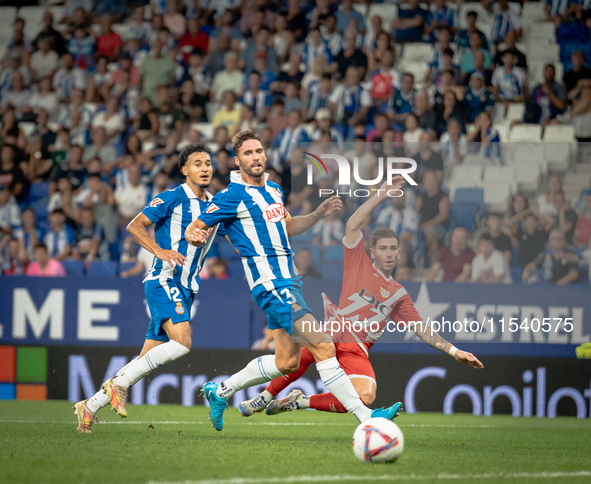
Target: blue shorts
{"type": "Point", "coordinates": [169, 301]}
{"type": "Point", "coordinates": [283, 303]}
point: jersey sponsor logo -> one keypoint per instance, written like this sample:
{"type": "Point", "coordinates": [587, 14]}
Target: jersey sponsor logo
{"type": "Point", "coordinates": [384, 292]}
{"type": "Point", "coordinates": [155, 202]}
{"type": "Point", "coordinates": [179, 308]}
{"type": "Point", "coordinates": [274, 213]}
{"type": "Point", "coordinates": [212, 208]}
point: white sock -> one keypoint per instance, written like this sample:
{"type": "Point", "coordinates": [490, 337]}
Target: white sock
{"type": "Point", "coordinates": [160, 355]}
{"type": "Point", "coordinates": [303, 401]}
{"type": "Point", "coordinates": [337, 382]}
{"type": "Point", "coordinates": [259, 370]}
{"type": "Point", "coordinates": [266, 396]}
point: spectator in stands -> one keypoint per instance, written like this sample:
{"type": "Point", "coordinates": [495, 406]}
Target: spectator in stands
{"type": "Point", "coordinates": [403, 100]}
{"type": "Point", "coordinates": [349, 56]}
{"type": "Point", "coordinates": [384, 80]}
{"type": "Point", "coordinates": [57, 41]}
{"type": "Point", "coordinates": [100, 148]}
{"type": "Point", "coordinates": [509, 82]}
{"type": "Point", "coordinates": [45, 98]}
{"type": "Point", "coordinates": [409, 23]}
{"type": "Point", "coordinates": [109, 43]}
{"type": "Point", "coordinates": [146, 123]}
{"type": "Point", "coordinates": [63, 194]}
{"type": "Point", "coordinates": [433, 207]}
{"type": "Point", "coordinates": [451, 108]}
{"type": "Point", "coordinates": [440, 58]}
{"type": "Point", "coordinates": [44, 264]}
{"type": "Point", "coordinates": [329, 231]}
{"type": "Point", "coordinates": [428, 159]}
{"type": "Point", "coordinates": [156, 70]}
{"type": "Point", "coordinates": [100, 197]}
{"type": "Point", "coordinates": [518, 56]}
{"type": "Point", "coordinates": [500, 239]}
{"type": "Point", "coordinates": [15, 65]}
{"type": "Point", "coordinates": [82, 45]}
{"type": "Point", "coordinates": [436, 19]}
{"type": "Point", "coordinates": [61, 236]}
{"type": "Point", "coordinates": [18, 99]}
{"type": "Point", "coordinates": [229, 114]}
{"type": "Point", "coordinates": [559, 264]}
{"type": "Point", "coordinates": [318, 97]}
{"type": "Point", "coordinates": [403, 220]}
{"type": "Point", "coordinates": [11, 175]}
{"type": "Point", "coordinates": [229, 79]}
{"type": "Point", "coordinates": [132, 197]}
{"type": "Point", "coordinates": [564, 218]}
{"type": "Point", "coordinates": [579, 71]}
{"type": "Point", "coordinates": [217, 51]}
{"type": "Point", "coordinates": [303, 262]}
{"type": "Point", "coordinates": [545, 202]}
{"type": "Point", "coordinates": [173, 20]}
{"type": "Point", "coordinates": [258, 100]}
{"type": "Point", "coordinates": [519, 209]}
{"type": "Point", "coordinates": [549, 96]}
{"type": "Point", "coordinates": [479, 68]}
{"type": "Point", "coordinates": [193, 39]}
{"type": "Point", "coordinates": [583, 227]}
{"type": "Point", "coordinates": [345, 13]}
{"type": "Point", "coordinates": [44, 61]}
{"type": "Point", "coordinates": [505, 19]}
{"type": "Point", "coordinates": [467, 65]}
{"type": "Point", "coordinates": [453, 143]}
{"type": "Point", "coordinates": [489, 266]}
{"type": "Point", "coordinates": [88, 238]}
{"type": "Point", "coordinates": [455, 261]}
{"type": "Point", "coordinates": [531, 240]}
{"type": "Point", "coordinates": [138, 27]}
{"type": "Point", "coordinates": [477, 98]}
{"type": "Point", "coordinates": [28, 234]}
{"type": "Point", "coordinates": [170, 118]}
{"type": "Point", "coordinates": [412, 135]}
{"type": "Point", "coordinates": [76, 104]}
{"type": "Point", "coordinates": [10, 213]}
{"type": "Point", "coordinates": [11, 260]}
{"type": "Point", "coordinates": [580, 114]}
{"type": "Point", "coordinates": [278, 120]}
{"type": "Point", "coordinates": [559, 11]}
{"type": "Point", "coordinates": [486, 137]}
{"type": "Point", "coordinates": [68, 78]}
{"type": "Point", "coordinates": [350, 102]}
{"type": "Point", "coordinates": [293, 74]}
{"type": "Point", "coordinates": [425, 115]}
{"type": "Point", "coordinates": [110, 120]}
{"type": "Point", "coordinates": [463, 37]}
{"type": "Point", "coordinates": [257, 45]}
{"type": "Point", "coordinates": [294, 133]}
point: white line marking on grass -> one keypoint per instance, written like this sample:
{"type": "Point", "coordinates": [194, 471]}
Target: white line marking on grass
{"type": "Point", "coordinates": [386, 478]}
{"type": "Point", "coordinates": [269, 424]}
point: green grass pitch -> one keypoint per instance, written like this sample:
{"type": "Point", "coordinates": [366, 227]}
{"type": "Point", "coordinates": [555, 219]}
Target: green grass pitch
{"type": "Point", "coordinates": [168, 443]}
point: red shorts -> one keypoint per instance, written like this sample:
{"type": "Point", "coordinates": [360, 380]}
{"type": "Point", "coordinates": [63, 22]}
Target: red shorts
{"type": "Point", "coordinates": [354, 361]}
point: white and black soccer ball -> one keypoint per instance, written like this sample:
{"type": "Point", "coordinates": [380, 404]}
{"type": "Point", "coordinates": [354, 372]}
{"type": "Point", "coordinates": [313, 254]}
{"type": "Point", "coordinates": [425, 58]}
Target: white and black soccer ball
{"type": "Point", "coordinates": [378, 440]}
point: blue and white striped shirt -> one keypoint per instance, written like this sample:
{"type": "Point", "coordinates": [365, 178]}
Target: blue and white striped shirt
{"type": "Point", "coordinates": [171, 212]}
{"type": "Point", "coordinates": [254, 218]}
{"type": "Point", "coordinates": [503, 22]}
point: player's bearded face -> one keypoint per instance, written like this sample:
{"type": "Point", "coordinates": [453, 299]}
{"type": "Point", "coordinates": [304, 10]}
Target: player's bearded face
{"type": "Point", "coordinates": [386, 254]}
{"type": "Point", "coordinates": [252, 159]}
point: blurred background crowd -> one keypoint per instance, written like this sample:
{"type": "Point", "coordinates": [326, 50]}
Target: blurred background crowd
{"type": "Point", "coordinates": [491, 98]}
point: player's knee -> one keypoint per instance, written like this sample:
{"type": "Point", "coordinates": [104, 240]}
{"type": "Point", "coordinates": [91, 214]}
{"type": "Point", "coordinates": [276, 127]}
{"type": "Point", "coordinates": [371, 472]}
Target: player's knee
{"type": "Point", "coordinates": [185, 340]}
{"type": "Point", "coordinates": [288, 366]}
{"type": "Point", "coordinates": [367, 396]}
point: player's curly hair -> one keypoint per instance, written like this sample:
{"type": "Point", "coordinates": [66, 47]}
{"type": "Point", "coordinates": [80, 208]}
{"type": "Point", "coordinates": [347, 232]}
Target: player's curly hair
{"type": "Point", "coordinates": [189, 150]}
{"type": "Point", "coordinates": [382, 233]}
{"type": "Point", "coordinates": [243, 136]}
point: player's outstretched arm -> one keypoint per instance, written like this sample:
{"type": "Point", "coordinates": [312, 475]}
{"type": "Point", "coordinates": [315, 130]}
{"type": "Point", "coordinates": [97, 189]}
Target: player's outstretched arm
{"type": "Point", "coordinates": [432, 338]}
{"type": "Point", "coordinates": [137, 229]}
{"type": "Point", "coordinates": [352, 232]}
{"type": "Point", "coordinates": [196, 233]}
{"type": "Point", "coordinates": [298, 225]}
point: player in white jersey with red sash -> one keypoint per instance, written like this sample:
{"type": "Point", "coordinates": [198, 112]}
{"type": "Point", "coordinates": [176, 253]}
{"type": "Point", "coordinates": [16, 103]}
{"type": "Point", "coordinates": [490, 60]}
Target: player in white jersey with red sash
{"type": "Point", "coordinates": [370, 295]}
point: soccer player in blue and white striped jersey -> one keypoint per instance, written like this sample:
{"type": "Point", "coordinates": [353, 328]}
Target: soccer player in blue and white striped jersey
{"type": "Point", "coordinates": [252, 211]}
{"type": "Point", "coordinates": [170, 284]}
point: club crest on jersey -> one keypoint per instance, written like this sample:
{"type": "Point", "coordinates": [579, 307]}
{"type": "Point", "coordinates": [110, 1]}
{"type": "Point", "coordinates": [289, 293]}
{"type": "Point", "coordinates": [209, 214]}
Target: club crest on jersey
{"type": "Point", "coordinates": [179, 308]}
{"type": "Point", "coordinates": [277, 193]}
{"type": "Point", "coordinates": [274, 213]}
{"type": "Point", "coordinates": [384, 292]}
{"type": "Point", "coordinates": [212, 208]}
{"type": "Point", "coordinates": [157, 201]}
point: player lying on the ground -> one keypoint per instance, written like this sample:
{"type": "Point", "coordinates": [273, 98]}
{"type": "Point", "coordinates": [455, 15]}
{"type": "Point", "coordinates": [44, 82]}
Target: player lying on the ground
{"type": "Point", "coordinates": [252, 211]}
{"type": "Point", "coordinates": [368, 293]}
{"type": "Point", "coordinates": [171, 283]}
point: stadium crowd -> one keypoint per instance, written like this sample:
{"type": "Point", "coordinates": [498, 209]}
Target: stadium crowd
{"type": "Point", "coordinates": [96, 107]}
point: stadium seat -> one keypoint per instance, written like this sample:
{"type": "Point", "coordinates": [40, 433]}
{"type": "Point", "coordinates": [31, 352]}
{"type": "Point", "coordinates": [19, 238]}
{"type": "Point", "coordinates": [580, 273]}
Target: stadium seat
{"type": "Point", "coordinates": [27, 128]}
{"type": "Point", "coordinates": [567, 49]}
{"type": "Point", "coordinates": [470, 195]}
{"type": "Point", "coordinates": [464, 215]}
{"type": "Point", "coordinates": [558, 155]}
{"type": "Point", "coordinates": [559, 132]}
{"type": "Point", "coordinates": [417, 68]}
{"type": "Point", "coordinates": [472, 173]}
{"type": "Point", "coordinates": [73, 267]}
{"type": "Point", "coordinates": [515, 6]}
{"type": "Point", "coordinates": [500, 174]}
{"type": "Point", "coordinates": [483, 15]}
{"type": "Point", "coordinates": [102, 268]}
{"type": "Point", "coordinates": [416, 52]}
{"type": "Point", "coordinates": [361, 8]}
{"type": "Point", "coordinates": [38, 191]}
{"type": "Point", "coordinates": [503, 130]}
{"type": "Point", "coordinates": [496, 196]}
{"type": "Point", "coordinates": [515, 112]}
{"type": "Point", "coordinates": [7, 16]}
{"type": "Point", "coordinates": [499, 114]}
{"type": "Point", "coordinates": [58, 13]}
{"type": "Point", "coordinates": [526, 132]}
{"type": "Point", "coordinates": [40, 209]}
{"type": "Point", "coordinates": [206, 129]}
{"type": "Point", "coordinates": [454, 186]}
{"type": "Point", "coordinates": [544, 52]}
{"type": "Point", "coordinates": [33, 17]}
{"type": "Point", "coordinates": [333, 253]}
{"type": "Point", "coordinates": [332, 271]}
{"type": "Point", "coordinates": [571, 32]}
{"type": "Point", "coordinates": [527, 176]}
{"type": "Point", "coordinates": [532, 12]}
{"type": "Point", "coordinates": [540, 31]}
{"type": "Point", "coordinates": [121, 29]}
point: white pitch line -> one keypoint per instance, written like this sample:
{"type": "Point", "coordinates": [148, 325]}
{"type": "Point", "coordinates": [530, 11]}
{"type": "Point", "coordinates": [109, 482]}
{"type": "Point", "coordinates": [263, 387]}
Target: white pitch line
{"type": "Point", "coordinates": [268, 424]}
{"type": "Point", "coordinates": [386, 478]}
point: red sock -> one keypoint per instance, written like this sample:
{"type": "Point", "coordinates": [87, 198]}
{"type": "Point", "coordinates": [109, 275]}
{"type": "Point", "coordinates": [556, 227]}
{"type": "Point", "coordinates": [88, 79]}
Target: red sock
{"type": "Point", "coordinates": [327, 402]}
{"type": "Point", "coordinates": [282, 382]}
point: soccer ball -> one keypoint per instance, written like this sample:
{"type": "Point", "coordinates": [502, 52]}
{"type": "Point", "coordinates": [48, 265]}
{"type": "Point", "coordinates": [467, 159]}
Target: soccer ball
{"type": "Point", "coordinates": [378, 440]}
